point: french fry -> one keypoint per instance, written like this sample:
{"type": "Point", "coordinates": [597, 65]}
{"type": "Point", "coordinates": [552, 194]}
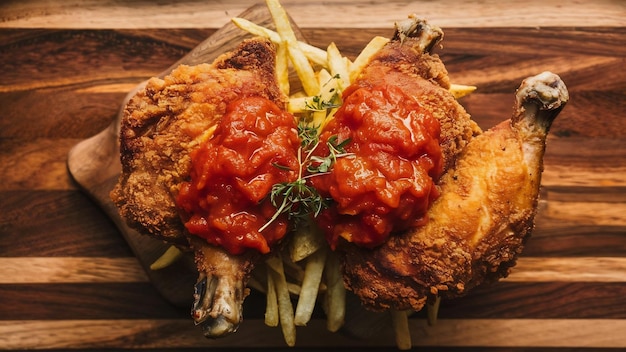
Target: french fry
{"type": "Point", "coordinates": [294, 289]}
{"type": "Point", "coordinates": [460, 90]}
{"type": "Point", "coordinates": [297, 105]}
{"type": "Point", "coordinates": [316, 102]}
{"type": "Point", "coordinates": [318, 118]}
{"type": "Point", "coordinates": [400, 323]}
{"type": "Point", "coordinates": [305, 241]}
{"type": "Point", "coordinates": [254, 283]}
{"type": "Point", "coordinates": [432, 310]}
{"type": "Point", "coordinates": [255, 29]}
{"type": "Point", "coordinates": [310, 286]}
{"type": "Point", "coordinates": [313, 53]}
{"type": "Point", "coordinates": [335, 293]}
{"type": "Point", "coordinates": [322, 104]}
{"type": "Point", "coordinates": [329, 86]}
{"type": "Point", "coordinates": [329, 117]}
{"type": "Point", "coordinates": [271, 305]}
{"type": "Point", "coordinates": [285, 308]}
{"type": "Point", "coordinates": [366, 54]}
{"type": "Point", "coordinates": [171, 255]}
{"type": "Point", "coordinates": [338, 66]}
{"type": "Point", "coordinates": [300, 62]}
{"type": "Point", "coordinates": [292, 270]}
{"type": "Point", "coordinates": [282, 67]}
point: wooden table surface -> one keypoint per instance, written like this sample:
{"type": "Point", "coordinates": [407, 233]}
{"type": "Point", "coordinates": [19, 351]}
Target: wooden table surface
{"type": "Point", "coordinates": [68, 279]}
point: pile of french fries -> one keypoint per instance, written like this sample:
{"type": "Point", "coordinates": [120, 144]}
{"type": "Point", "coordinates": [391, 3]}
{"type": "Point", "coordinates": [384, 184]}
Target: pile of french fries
{"type": "Point", "coordinates": [307, 270]}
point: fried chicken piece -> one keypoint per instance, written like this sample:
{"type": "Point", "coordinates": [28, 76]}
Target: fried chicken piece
{"type": "Point", "coordinates": [161, 126]}
{"type": "Point", "coordinates": [477, 227]}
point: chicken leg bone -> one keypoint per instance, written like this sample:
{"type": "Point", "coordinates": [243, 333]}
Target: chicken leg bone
{"type": "Point", "coordinates": [220, 289]}
{"type": "Point", "coordinates": [427, 35]}
{"type": "Point", "coordinates": [539, 100]}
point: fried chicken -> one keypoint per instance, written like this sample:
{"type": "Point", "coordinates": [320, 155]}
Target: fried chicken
{"type": "Point", "coordinates": [161, 126]}
{"type": "Point", "coordinates": [478, 226]}
{"type": "Point", "coordinates": [488, 193]}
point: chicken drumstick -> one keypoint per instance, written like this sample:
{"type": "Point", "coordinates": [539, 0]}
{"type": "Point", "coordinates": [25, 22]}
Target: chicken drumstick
{"type": "Point", "coordinates": [162, 126]}
{"type": "Point", "coordinates": [478, 225]}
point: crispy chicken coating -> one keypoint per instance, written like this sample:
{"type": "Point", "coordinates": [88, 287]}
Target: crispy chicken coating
{"type": "Point", "coordinates": [165, 121]}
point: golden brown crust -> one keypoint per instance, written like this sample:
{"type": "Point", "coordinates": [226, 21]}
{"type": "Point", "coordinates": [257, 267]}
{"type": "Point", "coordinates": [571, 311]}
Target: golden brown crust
{"type": "Point", "coordinates": [165, 121]}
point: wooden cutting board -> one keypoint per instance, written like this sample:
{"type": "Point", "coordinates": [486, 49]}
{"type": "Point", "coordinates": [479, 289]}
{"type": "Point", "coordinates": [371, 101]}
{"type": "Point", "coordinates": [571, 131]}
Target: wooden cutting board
{"type": "Point", "coordinates": [587, 166]}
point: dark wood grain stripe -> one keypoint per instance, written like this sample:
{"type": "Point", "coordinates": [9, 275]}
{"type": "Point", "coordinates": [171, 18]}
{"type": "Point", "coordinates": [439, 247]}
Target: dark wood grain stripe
{"type": "Point", "coordinates": [504, 300]}
{"type": "Point", "coordinates": [488, 57]}
{"type": "Point", "coordinates": [179, 333]}
{"type": "Point", "coordinates": [87, 301]}
{"type": "Point", "coordinates": [31, 219]}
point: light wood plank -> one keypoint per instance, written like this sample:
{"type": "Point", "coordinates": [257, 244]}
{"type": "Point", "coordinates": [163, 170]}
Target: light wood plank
{"type": "Point", "coordinates": [108, 88]}
{"type": "Point", "coordinates": [310, 14]}
{"type": "Point", "coordinates": [38, 270]}
{"type": "Point", "coordinates": [95, 270]}
{"type": "Point", "coordinates": [586, 269]}
{"type": "Point", "coordinates": [522, 333]}
{"type": "Point", "coordinates": [576, 176]}
{"type": "Point", "coordinates": [36, 334]}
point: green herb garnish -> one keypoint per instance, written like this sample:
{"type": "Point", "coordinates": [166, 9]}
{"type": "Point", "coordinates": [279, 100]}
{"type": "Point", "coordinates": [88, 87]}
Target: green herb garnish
{"type": "Point", "coordinates": [298, 199]}
{"type": "Point", "coordinates": [327, 99]}
{"type": "Point", "coordinates": [317, 103]}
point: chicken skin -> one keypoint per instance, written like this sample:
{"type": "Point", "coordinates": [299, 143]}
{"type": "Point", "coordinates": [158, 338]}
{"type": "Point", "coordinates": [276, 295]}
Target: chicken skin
{"type": "Point", "coordinates": [478, 225]}
{"type": "Point", "coordinates": [162, 125]}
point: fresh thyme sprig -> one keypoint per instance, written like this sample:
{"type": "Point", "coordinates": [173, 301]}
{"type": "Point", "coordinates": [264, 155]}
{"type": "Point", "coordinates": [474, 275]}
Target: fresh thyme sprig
{"type": "Point", "coordinates": [298, 199]}
{"type": "Point", "coordinates": [335, 150]}
{"type": "Point", "coordinates": [327, 99]}
{"type": "Point", "coordinates": [317, 103]}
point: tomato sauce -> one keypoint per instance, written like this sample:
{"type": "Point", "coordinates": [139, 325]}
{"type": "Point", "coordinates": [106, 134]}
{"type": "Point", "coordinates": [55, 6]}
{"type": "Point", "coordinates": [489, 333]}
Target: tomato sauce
{"type": "Point", "coordinates": [233, 172]}
{"type": "Point", "coordinates": [388, 181]}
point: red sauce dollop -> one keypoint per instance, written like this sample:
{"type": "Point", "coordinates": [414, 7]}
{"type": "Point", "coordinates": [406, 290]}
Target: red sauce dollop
{"type": "Point", "coordinates": [389, 181]}
{"type": "Point", "coordinates": [233, 172]}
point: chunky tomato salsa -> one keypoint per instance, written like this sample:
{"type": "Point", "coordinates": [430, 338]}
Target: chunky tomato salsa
{"type": "Point", "coordinates": [235, 170]}
{"type": "Point", "coordinates": [386, 181]}
{"type": "Point", "coordinates": [383, 182]}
